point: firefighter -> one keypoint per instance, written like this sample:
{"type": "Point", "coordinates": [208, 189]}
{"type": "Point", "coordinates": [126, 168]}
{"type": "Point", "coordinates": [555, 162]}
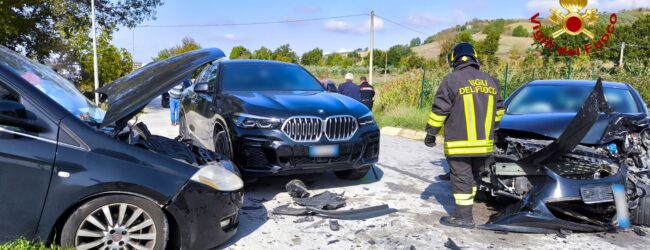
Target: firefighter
{"type": "Point", "coordinates": [467, 103]}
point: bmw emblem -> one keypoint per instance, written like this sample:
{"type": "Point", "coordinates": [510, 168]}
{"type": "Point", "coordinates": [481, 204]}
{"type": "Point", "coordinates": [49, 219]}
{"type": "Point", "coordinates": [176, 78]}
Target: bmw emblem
{"type": "Point", "coordinates": [320, 111]}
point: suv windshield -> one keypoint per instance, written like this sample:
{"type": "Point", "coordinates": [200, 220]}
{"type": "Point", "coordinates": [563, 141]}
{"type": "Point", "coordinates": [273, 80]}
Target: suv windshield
{"type": "Point", "coordinates": [53, 85]}
{"type": "Point", "coordinates": [567, 99]}
{"type": "Point", "coordinates": [267, 77]}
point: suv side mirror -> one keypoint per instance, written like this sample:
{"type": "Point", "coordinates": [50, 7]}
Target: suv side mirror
{"type": "Point", "coordinates": [14, 114]}
{"type": "Point", "coordinates": [201, 87]}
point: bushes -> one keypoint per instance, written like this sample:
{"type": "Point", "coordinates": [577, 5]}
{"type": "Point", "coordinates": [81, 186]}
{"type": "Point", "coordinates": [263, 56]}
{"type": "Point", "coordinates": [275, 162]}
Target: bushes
{"type": "Point", "coordinates": [398, 101]}
{"type": "Point", "coordinates": [520, 31]}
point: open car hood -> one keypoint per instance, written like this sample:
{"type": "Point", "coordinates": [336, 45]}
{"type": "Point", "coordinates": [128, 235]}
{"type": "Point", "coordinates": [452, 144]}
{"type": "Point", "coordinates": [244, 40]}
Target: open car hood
{"type": "Point", "coordinates": [128, 95]}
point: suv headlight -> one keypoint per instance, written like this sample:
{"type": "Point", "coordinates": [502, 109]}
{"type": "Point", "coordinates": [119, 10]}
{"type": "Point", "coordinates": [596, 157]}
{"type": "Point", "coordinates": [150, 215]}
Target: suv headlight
{"type": "Point", "coordinates": [218, 177]}
{"type": "Point", "coordinates": [252, 121]}
{"type": "Point", "coordinates": [366, 119]}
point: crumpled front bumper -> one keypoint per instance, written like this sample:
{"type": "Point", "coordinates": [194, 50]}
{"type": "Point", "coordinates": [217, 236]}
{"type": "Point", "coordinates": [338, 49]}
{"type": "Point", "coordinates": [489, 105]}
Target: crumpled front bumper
{"type": "Point", "coordinates": [536, 213]}
{"type": "Point", "coordinates": [203, 218]}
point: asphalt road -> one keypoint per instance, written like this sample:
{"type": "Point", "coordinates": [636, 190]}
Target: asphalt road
{"type": "Point", "coordinates": [405, 180]}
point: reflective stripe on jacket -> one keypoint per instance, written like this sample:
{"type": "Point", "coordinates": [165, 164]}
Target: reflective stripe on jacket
{"type": "Point", "coordinates": [467, 103]}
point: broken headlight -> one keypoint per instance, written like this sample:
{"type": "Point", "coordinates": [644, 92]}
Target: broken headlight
{"type": "Point", "coordinates": [216, 176]}
{"type": "Point", "coordinates": [252, 121]}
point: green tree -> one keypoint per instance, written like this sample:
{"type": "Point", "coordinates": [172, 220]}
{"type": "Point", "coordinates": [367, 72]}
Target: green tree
{"type": "Point", "coordinates": [240, 52]}
{"type": "Point", "coordinates": [378, 57]}
{"type": "Point", "coordinates": [187, 44]}
{"type": "Point", "coordinates": [355, 56]}
{"type": "Point", "coordinates": [464, 36]}
{"type": "Point", "coordinates": [113, 63]}
{"type": "Point", "coordinates": [40, 28]}
{"type": "Point", "coordinates": [488, 47]}
{"type": "Point", "coordinates": [396, 53]}
{"type": "Point", "coordinates": [337, 59]}
{"type": "Point", "coordinates": [263, 54]}
{"type": "Point", "coordinates": [497, 26]}
{"type": "Point", "coordinates": [520, 31]}
{"type": "Point", "coordinates": [285, 54]}
{"type": "Point", "coordinates": [415, 42]}
{"type": "Point", "coordinates": [312, 57]}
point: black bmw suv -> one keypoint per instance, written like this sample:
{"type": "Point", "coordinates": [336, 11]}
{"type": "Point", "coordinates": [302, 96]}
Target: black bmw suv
{"type": "Point", "coordinates": [274, 118]}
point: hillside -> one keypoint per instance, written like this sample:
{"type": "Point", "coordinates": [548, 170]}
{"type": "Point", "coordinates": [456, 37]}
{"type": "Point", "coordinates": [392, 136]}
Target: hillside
{"type": "Point", "coordinates": [507, 42]}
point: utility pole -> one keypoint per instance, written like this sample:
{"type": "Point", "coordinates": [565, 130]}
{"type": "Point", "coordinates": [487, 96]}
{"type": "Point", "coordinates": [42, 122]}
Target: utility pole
{"type": "Point", "coordinates": [95, 70]}
{"type": "Point", "coordinates": [386, 67]}
{"type": "Point", "coordinates": [372, 44]}
{"type": "Point", "coordinates": [620, 60]}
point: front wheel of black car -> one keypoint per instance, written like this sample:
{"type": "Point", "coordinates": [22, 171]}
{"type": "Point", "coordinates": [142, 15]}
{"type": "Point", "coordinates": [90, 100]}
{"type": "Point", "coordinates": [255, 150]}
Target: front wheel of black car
{"type": "Point", "coordinates": [222, 144]}
{"type": "Point", "coordinates": [353, 174]}
{"type": "Point", "coordinates": [116, 222]}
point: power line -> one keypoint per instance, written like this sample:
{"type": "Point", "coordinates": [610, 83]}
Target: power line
{"type": "Point", "coordinates": [404, 26]}
{"type": "Point", "coordinates": [249, 23]}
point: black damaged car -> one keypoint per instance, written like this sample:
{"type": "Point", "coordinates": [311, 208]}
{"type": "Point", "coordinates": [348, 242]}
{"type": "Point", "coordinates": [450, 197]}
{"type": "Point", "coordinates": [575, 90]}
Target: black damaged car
{"type": "Point", "coordinates": [275, 118]}
{"type": "Point", "coordinates": [561, 150]}
{"type": "Point", "coordinates": [73, 174]}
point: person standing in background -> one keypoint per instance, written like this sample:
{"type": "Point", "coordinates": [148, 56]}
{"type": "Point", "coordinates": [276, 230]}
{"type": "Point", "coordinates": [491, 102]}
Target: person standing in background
{"type": "Point", "coordinates": [348, 88]}
{"type": "Point", "coordinates": [175, 102]}
{"type": "Point", "coordinates": [367, 92]}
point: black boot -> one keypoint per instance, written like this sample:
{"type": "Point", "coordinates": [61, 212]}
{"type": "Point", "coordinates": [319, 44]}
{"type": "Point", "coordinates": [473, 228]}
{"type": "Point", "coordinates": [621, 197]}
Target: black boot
{"type": "Point", "coordinates": [461, 217]}
{"type": "Point", "coordinates": [457, 222]}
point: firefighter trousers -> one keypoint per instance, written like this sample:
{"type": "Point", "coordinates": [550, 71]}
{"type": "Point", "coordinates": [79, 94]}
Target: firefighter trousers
{"type": "Point", "coordinates": [464, 170]}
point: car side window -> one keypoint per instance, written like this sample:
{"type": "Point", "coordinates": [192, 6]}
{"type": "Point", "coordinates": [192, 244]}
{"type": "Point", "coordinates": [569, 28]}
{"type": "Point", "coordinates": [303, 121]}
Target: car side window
{"type": "Point", "coordinates": [212, 76]}
{"type": "Point", "coordinates": [202, 75]}
{"type": "Point", "coordinates": [6, 95]}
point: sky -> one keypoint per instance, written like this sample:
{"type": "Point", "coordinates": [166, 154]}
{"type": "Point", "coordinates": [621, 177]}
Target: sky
{"type": "Point", "coordinates": [332, 35]}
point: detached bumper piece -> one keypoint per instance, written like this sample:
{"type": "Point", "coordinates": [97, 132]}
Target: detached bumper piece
{"type": "Point", "coordinates": [262, 156]}
{"type": "Point", "coordinates": [562, 204]}
{"type": "Point", "coordinates": [203, 216]}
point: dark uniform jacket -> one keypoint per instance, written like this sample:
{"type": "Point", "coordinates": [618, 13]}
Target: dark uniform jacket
{"type": "Point", "coordinates": [330, 86]}
{"type": "Point", "coordinates": [367, 94]}
{"type": "Point", "coordinates": [468, 104]}
{"type": "Point", "coordinates": [350, 89]}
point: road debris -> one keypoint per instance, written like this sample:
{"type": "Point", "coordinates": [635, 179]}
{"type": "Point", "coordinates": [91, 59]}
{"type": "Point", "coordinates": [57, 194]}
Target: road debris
{"type": "Point", "coordinates": [325, 204]}
{"type": "Point", "coordinates": [451, 244]}
{"type": "Point", "coordinates": [334, 225]}
{"type": "Point", "coordinates": [638, 231]}
{"type": "Point", "coordinates": [297, 189]}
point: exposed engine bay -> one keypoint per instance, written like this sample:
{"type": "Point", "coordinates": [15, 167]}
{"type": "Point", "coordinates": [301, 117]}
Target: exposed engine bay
{"type": "Point", "coordinates": [181, 150]}
{"type": "Point", "coordinates": [560, 184]}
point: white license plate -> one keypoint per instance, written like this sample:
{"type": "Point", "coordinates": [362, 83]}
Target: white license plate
{"type": "Point", "coordinates": [324, 151]}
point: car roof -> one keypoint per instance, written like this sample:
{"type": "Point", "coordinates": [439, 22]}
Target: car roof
{"type": "Point", "coordinates": [254, 62]}
{"type": "Point", "coordinates": [589, 83]}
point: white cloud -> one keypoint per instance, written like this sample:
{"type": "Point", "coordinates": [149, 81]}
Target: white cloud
{"type": "Point", "coordinates": [230, 37]}
{"type": "Point", "coordinates": [356, 28]}
{"type": "Point", "coordinates": [344, 50]}
{"type": "Point", "coordinates": [543, 6]}
{"type": "Point", "coordinates": [338, 26]}
{"type": "Point", "coordinates": [426, 20]}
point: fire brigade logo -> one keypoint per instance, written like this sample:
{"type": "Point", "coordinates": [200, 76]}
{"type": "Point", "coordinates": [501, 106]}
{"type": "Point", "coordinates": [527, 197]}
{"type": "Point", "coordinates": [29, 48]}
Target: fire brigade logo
{"type": "Point", "coordinates": [574, 22]}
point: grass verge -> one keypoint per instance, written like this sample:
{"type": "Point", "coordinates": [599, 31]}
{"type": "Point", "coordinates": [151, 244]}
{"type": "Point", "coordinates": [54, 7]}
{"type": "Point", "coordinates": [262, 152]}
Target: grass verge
{"type": "Point", "coordinates": [402, 116]}
{"type": "Point", "coordinates": [22, 244]}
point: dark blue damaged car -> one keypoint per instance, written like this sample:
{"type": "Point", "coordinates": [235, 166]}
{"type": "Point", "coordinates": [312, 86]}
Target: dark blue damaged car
{"type": "Point", "coordinates": [74, 174]}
